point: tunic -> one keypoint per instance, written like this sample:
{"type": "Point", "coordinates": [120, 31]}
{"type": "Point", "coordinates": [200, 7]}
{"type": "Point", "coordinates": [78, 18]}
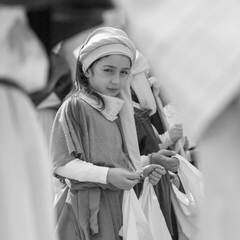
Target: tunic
{"type": "Point", "coordinates": [87, 210]}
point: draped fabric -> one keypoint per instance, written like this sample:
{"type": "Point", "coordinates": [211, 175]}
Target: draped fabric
{"type": "Point", "coordinates": [83, 210]}
{"type": "Point", "coordinates": [140, 84]}
{"type": "Point", "coordinates": [26, 186]}
{"type": "Point", "coordinates": [25, 176]}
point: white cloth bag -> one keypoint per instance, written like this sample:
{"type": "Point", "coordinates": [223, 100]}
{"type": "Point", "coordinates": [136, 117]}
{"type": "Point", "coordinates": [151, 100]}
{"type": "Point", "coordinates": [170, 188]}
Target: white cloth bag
{"type": "Point", "coordinates": [135, 225]}
{"type": "Point", "coordinates": [153, 213]}
{"type": "Point", "coordinates": [187, 205]}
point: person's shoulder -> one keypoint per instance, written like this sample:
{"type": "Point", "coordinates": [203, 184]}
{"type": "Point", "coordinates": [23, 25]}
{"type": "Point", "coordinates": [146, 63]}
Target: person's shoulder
{"type": "Point", "coordinates": [75, 105]}
{"type": "Point", "coordinates": [73, 101]}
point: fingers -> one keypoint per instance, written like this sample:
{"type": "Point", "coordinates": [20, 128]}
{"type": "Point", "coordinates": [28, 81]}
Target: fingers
{"type": "Point", "coordinates": [178, 126]}
{"type": "Point", "coordinates": [122, 178]}
{"type": "Point", "coordinates": [154, 169]}
{"type": "Point", "coordinates": [174, 160]}
{"type": "Point", "coordinates": [153, 180]}
{"type": "Point", "coordinates": [157, 173]}
{"type": "Point", "coordinates": [130, 183]}
{"type": "Point", "coordinates": [155, 176]}
{"type": "Point", "coordinates": [176, 132]}
{"type": "Point", "coordinates": [130, 175]}
{"type": "Point", "coordinates": [174, 164]}
{"type": "Point", "coordinates": [133, 175]}
{"type": "Point", "coordinates": [159, 170]}
{"type": "Point", "coordinates": [167, 153]}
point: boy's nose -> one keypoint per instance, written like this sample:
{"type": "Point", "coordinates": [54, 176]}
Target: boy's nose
{"type": "Point", "coordinates": [116, 78]}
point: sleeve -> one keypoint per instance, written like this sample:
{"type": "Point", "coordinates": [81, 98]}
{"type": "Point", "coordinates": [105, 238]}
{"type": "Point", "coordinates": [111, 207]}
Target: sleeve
{"type": "Point", "coordinates": [59, 154]}
{"type": "Point", "coordinates": [83, 171]}
{"type": "Point", "coordinates": [64, 163]}
{"type": "Point", "coordinates": [59, 149]}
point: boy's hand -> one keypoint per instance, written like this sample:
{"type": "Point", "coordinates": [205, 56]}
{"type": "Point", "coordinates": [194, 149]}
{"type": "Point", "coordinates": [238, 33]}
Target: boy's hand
{"type": "Point", "coordinates": [154, 172]}
{"type": "Point", "coordinates": [122, 178]}
{"type": "Point", "coordinates": [167, 159]}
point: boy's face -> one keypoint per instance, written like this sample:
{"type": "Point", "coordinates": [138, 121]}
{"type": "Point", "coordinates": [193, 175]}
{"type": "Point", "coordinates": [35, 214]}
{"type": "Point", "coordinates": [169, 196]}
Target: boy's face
{"type": "Point", "coordinates": [109, 74]}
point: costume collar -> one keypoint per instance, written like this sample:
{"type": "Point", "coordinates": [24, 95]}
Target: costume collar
{"type": "Point", "coordinates": [113, 105]}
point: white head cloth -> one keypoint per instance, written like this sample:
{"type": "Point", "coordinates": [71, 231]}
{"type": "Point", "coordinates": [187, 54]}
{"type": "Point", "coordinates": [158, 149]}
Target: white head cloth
{"type": "Point", "coordinates": [107, 41]}
{"type": "Point", "coordinates": [141, 85]}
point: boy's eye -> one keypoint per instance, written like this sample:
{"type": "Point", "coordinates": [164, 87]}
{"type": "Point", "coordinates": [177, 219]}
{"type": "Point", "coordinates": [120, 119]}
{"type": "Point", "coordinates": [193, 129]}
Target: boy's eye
{"type": "Point", "coordinates": [108, 70]}
{"type": "Point", "coordinates": [124, 72]}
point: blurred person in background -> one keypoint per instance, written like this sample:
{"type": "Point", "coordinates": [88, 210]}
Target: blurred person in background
{"type": "Point", "coordinates": [26, 186]}
{"type": "Point", "coordinates": [148, 138]}
{"type": "Point", "coordinates": [48, 100]}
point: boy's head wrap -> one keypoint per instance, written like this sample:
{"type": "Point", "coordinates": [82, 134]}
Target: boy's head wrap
{"type": "Point", "coordinates": [141, 85]}
{"type": "Point", "coordinates": [103, 42]}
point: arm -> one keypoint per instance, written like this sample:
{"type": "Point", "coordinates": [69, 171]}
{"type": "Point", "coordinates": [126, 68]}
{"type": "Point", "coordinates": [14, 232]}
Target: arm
{"type": "Point", "coordinates": [83, 171]}
{"type": "Point", "coordinates": [171, 136]}
{"type": "Point", "coordinates": [87, 172]}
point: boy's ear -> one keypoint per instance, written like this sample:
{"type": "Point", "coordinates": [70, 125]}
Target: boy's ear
{"type": "Point", "coordinates": [87, 74]}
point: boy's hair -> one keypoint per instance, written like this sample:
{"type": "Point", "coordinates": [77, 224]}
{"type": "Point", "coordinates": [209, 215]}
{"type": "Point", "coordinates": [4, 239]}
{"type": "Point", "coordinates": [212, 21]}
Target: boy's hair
{"type": "Point", "coordinates": [81, 84]}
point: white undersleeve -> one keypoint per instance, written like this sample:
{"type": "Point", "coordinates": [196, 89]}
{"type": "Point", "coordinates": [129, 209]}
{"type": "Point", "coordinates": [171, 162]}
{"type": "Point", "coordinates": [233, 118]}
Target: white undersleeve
{"type": "Point", "coordinates": [83, 171]}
